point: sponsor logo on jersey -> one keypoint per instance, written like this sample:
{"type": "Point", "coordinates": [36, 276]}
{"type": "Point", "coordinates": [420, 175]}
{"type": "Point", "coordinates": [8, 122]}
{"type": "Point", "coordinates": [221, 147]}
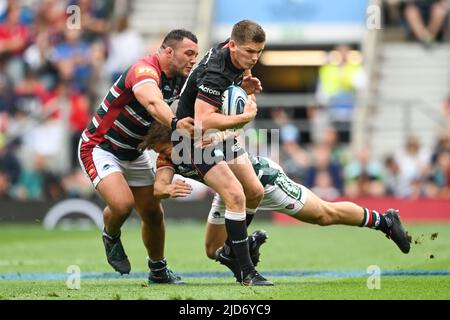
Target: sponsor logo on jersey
{"type": "Point", "coordinates": [146, 71]}
{"type": "Point", "coordinates": [216, 214]}
{"type": "Point", "coordinates": [209, 90]}
{"type": "Point", "coordinates": [106, 166]}
{"type": "Point", "coordinates": [289, 187]}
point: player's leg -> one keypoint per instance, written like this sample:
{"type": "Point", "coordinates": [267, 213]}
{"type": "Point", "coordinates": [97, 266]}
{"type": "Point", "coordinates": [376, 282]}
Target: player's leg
{"type": "Point", "coordinates": [151, 213]}
{"type": "Point", "coordinates": [216, 234]}
{"type": "Point", "coordinates": [215, 246]}
{"type": "Point", "coordinates": [224, 182]}
{"type": "Point", "coordinates": [152, 221]}
{"type": "Point", "coordinates": [105, 173]}
{"type": "Point", "coordinates": [119, 199]}
{"type": "Point", "coordinates": [324, 213]}
{"type": "Point", "coordinates": [141, 179]}
{"type": "Point", "coordinates": [214, 238]}
{"type": "Point", "coordinates": [244, 172]}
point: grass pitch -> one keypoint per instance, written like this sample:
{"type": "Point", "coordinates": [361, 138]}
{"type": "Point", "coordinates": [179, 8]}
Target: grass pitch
{"type": "Point", "coordinates": [304, 262]}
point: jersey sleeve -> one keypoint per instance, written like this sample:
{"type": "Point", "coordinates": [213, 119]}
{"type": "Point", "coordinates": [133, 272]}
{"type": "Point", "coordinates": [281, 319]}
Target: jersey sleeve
{"type": "Point", "coordinates": [141, 73]}
{"type": "Point", "coordinates": [162, 163]}
{"type": "Point", "coordinates": [211, 86]}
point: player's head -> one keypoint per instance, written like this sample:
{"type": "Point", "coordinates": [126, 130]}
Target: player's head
{"type": "Point", "coordinates": [246, 43]}
{"type": "Point", "coordinates": [158, 138]}
{"type": "Point", "coordinates": [181, 50]}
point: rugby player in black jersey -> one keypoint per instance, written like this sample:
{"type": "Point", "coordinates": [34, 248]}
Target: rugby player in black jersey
{"type": "Point", "coordinates": [226, 167]}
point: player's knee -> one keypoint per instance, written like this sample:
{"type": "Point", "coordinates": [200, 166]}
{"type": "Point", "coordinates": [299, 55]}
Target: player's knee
{"type": "Point", "coordinates": [122, 208]}
{"type": "Point", "coordinates": [255, 194]}
{"type": "Point", "coordinates": [234, 198]}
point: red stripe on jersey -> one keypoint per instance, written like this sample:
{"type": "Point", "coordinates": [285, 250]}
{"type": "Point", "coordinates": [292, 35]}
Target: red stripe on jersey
{"type": "Point", "coordinates": [117, 89]}
{"type": "Point", "coordinates": [105, 124]}
{"type": "Point", "coordinates": [213, 101]}
{"type": "Point", "coordinates": [106, 102]}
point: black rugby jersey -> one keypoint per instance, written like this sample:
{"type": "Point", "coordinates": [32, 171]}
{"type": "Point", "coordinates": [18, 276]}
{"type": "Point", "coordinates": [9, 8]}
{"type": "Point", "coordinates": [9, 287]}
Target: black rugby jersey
{"type": "Point", "coordinates": [209, 80]}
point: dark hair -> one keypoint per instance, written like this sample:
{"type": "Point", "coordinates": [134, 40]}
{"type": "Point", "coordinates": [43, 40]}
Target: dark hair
{"type": "Point", "coordinates": [177, 35]}
{"type": "Point", "coordinates": [157, 133]}
{"type": "Point", "coordinates": [247, 31]}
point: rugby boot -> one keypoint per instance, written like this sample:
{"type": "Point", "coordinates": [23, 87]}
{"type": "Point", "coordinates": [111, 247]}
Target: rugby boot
{"type": "Point", "coordinates": [160, 273]}
{"type": "Point", "coordinates": [255, 279]}
{"type": "Point", "coordinates": [115, 253]}
{"type": "Point", "coordinates": [223, 255]}
{"type": "Point", "coordinates": [396, 232]}
{"type": "Point", "coordinates": [256, 240]}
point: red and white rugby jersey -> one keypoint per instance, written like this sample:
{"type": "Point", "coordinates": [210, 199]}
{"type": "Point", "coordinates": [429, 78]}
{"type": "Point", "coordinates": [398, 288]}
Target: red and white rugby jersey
{"type": "Point", "coordinates": [121, 122]}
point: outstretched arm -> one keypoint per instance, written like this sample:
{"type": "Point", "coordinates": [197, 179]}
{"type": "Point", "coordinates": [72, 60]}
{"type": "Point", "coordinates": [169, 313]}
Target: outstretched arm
{"type": "Point", "coordinates": [164, 186]}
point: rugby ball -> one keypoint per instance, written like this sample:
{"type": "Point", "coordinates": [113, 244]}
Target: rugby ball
{"type": "Point", "coordinates": [234, 99]}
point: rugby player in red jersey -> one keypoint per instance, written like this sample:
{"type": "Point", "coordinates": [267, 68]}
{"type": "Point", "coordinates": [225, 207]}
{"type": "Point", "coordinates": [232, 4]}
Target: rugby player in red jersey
{"type": "Point", "coordinates": [109, 152]}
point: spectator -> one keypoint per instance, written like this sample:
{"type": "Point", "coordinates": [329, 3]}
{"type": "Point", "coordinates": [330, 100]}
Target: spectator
{"type": "Point", "coordinates": [30, 93]}
{"type": "Point", "coordinates": [37, 58]}
{"type": "Point", "coordinates": [391, 177]}
{"type": "Point", "coordinates": [442, 145]}
{"type": "Point", "coordinates": [440, 177]}
{"type": "Point", "coordinates": [363, 176]}
{"type": "Point", "coordinates": [339, 80]}
{"type": "Point", "coordinates": [330, 138]}
{"type": "Point", "coordinates": [72, 59]}
{"type": "Point", "coordinates": [118, 58]}
{"type": "Point", "coordinates": [9, 164]}
{"type": "Point", "coordinates": [414, 165]}
{"type": "Point", "coordinates": [322, 162]}
{"type": "Point", "coordinates": [323, 186]}
{"type": "Point", "coordinates": [78, 114]}
{"type": "Point", "coordinates": [14, 38]}
{"type": "Point", "coordinates": [6, 89]}
{"type": "Point", "coordinates": [94, 18]}
{"type": "Point", "coordinates": [37, 183]}
{"type": "Point", "coordinates": [426, 19]}
{"type": "Point", "coordinates": [293, 157]}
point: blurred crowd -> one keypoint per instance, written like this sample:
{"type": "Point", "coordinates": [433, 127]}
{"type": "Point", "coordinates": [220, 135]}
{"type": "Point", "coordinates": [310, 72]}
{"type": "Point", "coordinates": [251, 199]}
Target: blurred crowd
{"type": "Point", "coordinates": [331, 169]}
{"type": "Point", "coordinates": [426, 21]}
{"type": "Point", "coordinates": [57, 58]}
{"type": "Point", "coordinates": [52, 77]}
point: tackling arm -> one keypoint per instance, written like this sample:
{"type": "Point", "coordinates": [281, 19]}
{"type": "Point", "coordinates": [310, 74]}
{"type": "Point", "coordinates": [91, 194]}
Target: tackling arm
{"type": "Point", "coordinates": [149, 95]}
{"type": "Point", "coordinates": [165, 188]}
